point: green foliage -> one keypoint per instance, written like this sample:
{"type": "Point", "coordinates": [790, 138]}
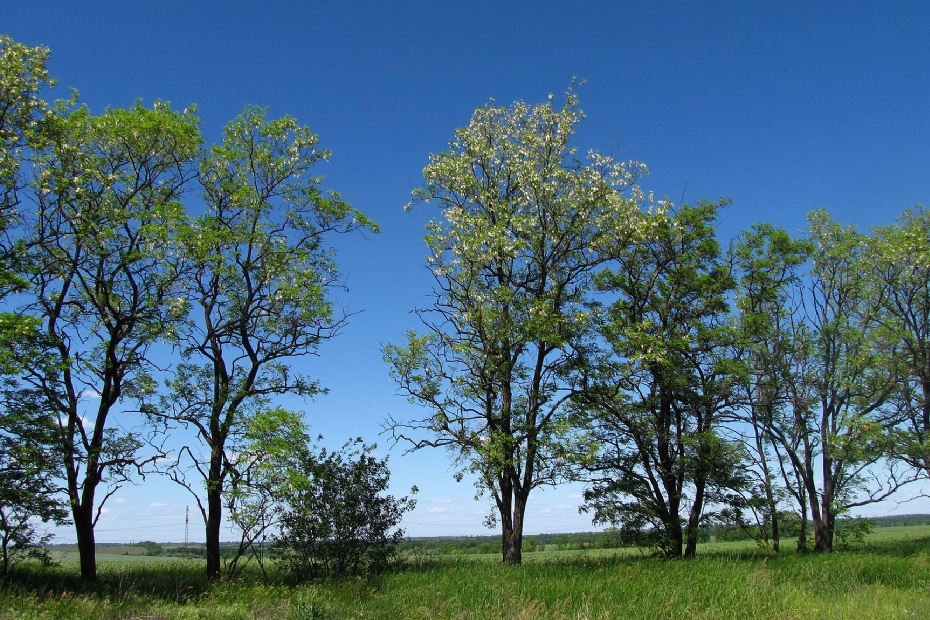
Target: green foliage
{"type": "Point", "coordinates": [822, 368]}
{"type": "Point", "coordinates": [29, 477]}
{"type": "Point", "coordinates": [850, 533]}
{"type": "Point", "coordinates": [660, 385]}
{"type": "Point", "coordinates": [899, 270]}
{"type": "Point", "coordinates": [267, 461]}
{"type": "Point", "coordinates": [23, 75]}
{"type": "Point", "coordinates": [337, 520]}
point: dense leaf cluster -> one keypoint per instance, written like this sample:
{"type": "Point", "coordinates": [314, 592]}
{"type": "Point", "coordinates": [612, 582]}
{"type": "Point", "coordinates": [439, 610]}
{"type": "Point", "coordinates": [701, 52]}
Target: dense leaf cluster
{"type": "Point", "coordinates": [338, 520]}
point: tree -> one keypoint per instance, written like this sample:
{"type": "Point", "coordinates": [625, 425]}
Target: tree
{"type": "Point", "coordinates": [899, 268]}
{"type": "Point", "coordinates": [256, 278]}
{"type": "Point", "coordinates": [767, 261]}
{"type": "Point", "coordinates": [29, 476]}
{"type": "Point", "coordinates": [107, 194]}
{"type": "Point", "coordinates": [524, 224]}
{"type": "Point", "coordinates": [27, 438]}
{"type": "Point", "coordinates": [838, 370]}
{"type": "Point", "coordinates": [659, 392]}
{"type": "Point", "coordinates": [337, 521]}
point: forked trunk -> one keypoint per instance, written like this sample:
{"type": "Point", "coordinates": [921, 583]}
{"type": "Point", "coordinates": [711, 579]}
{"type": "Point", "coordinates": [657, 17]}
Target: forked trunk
{"type": "Point", "coordinates": [823, 532]}
{"type": "Point", "coordinates": [512, 532]}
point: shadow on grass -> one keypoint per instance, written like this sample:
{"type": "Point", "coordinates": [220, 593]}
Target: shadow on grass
{"type": "Point", "coordinates": [181, 581]}
{"type": "Point", "coordinates": [901, 547]}
{"type": "Point", "coordinates": [173, 582]}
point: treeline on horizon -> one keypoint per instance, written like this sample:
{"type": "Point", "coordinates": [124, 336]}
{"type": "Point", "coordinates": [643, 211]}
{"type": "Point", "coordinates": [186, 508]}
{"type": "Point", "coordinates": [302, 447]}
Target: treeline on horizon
{"type": "Point", "coordinates": [580, 330]}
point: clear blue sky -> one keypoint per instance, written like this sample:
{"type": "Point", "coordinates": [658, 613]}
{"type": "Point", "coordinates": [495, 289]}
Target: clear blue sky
{"type": "Point", "coordinates": [782, 106]}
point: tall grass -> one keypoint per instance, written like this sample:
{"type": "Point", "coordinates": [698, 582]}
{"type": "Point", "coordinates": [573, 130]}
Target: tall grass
{"type": "Point", "coordinates": [886, 579]}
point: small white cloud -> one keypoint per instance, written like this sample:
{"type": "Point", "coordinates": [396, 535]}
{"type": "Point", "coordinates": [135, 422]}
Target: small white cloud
{"type": "Point", "coordinates": [104, 511]}
{"type": "Point", "coordinates": [437, 509]}
{"type": "Point", "coordinates": [120, 500]}
{"type": "Point", "coordinates": [443, 501]}
{"type": "Point", "coordinates": [158, 504]}
{"type": "Point", "coordinates": [574, 496]}
{"type": "Point", "coordinates": [545, 510]}
{"type": "Point", "coordinates": [89, 395]}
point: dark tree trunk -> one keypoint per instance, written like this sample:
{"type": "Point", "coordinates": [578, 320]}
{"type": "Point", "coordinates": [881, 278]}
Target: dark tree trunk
{"type": "Point", "coordinates": [767, 478]}
{"type": "Point", "coordinates": [823, 529]}
{"type": "Point", "coordinates": [925, 417]}
{"type": "Point", "coordinates": [512, 531]}
{"type": "Point", "coordinates": [84, 528]}
{"type": "Point", "coordinates": [676, 541]}
{"type": "Point", "coordinates": [823, 515]}
{"type": "Point", "coordinates": [776, 544]}
{"type": "Point", "coordinates": [214, 514]}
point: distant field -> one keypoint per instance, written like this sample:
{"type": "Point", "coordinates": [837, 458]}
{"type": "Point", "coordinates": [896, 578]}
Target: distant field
{"type": "Point", "coordinates": [903, 532]}
{"type": "Point", "coordinates": [128, 553]}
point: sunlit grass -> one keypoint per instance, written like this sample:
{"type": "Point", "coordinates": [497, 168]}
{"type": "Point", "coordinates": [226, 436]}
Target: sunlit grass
{"type": "Point", "coordinates": [889, 578]}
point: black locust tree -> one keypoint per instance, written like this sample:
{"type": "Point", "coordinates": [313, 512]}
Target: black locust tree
{"type": "Point", "coordinates": [524, 223]}
{"type": "Point", "coordinates": [106, 205]}
{"type": "Point", "coordinates": [663, 381]}
{"type": "Point", "coordinates": [837, 425]}
{"type": "Point", "coordinates": [768, 263]}
{"type": "Point", "coordinates": [898, 266]}
{"type": "Point", "coordinates": [257, 275]}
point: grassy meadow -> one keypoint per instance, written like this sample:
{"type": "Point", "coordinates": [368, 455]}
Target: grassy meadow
{"type": "Point", "coordinates": [888, 577]}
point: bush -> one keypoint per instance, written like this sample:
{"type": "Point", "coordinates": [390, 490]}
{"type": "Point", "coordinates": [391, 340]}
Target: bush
{"type": "Point", "coordinates": [151, 548]}
{"type": "Point", "coordinates": [849, 533]}
{"type": "Point", "coordinates": [336, 521]}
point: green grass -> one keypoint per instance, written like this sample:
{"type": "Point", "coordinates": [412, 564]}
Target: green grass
{"type": "Point", "coordinates": [888, 578]}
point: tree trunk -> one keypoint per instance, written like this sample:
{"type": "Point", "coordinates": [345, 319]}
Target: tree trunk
{"type": "Point", "coordinates": [802, 529]}
{"type": "Point", "coordinates": [925, 419]}
{"type": "Point", "coordinates": [694, 517]}
{"type": "Point", "coordinates": [512, 531]}
{"type": "Point", "coordinates": [823, 518]}
{"type": "Point", "coordinates": [767, 477]}
{"type": "Point", "coordinates": [214, 514]}
{"type": "Point", "coordinates": [823, 540]}
{"type": "Point", "coordinates": [82, 507]}
{"type": "Point", "coordinates": [84, 528]}
{"type": "Point", "coordinates": [676, 544]}
{"type": "Point", "coordinates": [775, 540]}
{"type": "Point", "coordinates": [823, 524]}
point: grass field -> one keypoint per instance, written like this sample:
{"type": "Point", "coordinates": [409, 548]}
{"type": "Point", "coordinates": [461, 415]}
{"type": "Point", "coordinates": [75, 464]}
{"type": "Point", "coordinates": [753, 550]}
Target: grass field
{"type": "Point", "coordinates": [888, 578]}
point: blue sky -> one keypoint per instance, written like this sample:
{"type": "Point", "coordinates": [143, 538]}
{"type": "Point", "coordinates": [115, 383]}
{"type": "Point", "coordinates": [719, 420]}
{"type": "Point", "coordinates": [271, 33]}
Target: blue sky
{"type": "Point", "coordinates": [784, 107]}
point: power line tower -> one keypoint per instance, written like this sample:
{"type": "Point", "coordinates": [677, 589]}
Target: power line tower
{"type": "Point", "coordinates": [187, 530]}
